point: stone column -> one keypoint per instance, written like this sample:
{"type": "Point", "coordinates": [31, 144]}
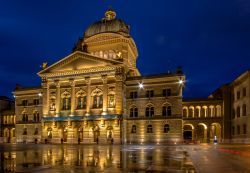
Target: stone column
{"type": "Point", "coordinates": [58, 98]}
{"type": "Point", "coordinates": [72, 83]}
{"type": "Point", "coordinates": [87, 79]}
{"type": "Point", "coordinates": [124, 131]}
{"type": "Point", "coordinates": [45, 99]}
{"type": "Point", "coordinates": [105, 95]}
{"type": "Point", "coordinates": [119, 94]}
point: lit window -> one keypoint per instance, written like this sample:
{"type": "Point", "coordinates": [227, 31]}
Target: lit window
{"type": "Point", "coordinates": [149, 111]}
{"type": "Point", "coordinates": [133, 130]}
{"type": "Point", "coordinates": [134, 112]}
{"type": "Point", "coordinates": [36, 101]}
{"type": "Point", "coordinates": [149, 129]}
{"type": "Point", "coordinates": [111, 101]}
{"type": "Point", "coordinates": [81, 102]}
{"type": "Point", "coordinates": [166, 128]}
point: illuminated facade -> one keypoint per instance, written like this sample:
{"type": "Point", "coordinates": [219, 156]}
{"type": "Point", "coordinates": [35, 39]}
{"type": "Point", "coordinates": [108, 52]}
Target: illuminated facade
{"type": "Point", "coordinates": [240, 91]}
{"type": "Point", "coordinates": [87, 96]}
{"type": "Point", "coordinates": [97, 95]}
{"type": "Point", "coordinates": [7, 120]}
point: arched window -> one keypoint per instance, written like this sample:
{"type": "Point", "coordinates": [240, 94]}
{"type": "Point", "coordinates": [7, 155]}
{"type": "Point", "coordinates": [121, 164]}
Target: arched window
{"type": "Point", "coordinates": [134, 112]}
{"type": "Point", "coordinates": [197, 111]}
{"type": "Point", "coordinates": [81, 99]}
{"type": "Point", "coordinates": [25, 117]}
{"type": "Point", "coordinates": [204, 111]}
{"type": "Point", "coordinates": [52, 103]}
{"type": "Point", "coordinates": [166, 128]}
{"type": "Point", "coordinates": [36, 117]}
{"type": "Point", "coordinates": [101, 54]}
{"type": "Point", "coordinates": [244, 110]}
{"type": "Point", "coordinates": [105, 55]}
{"type": "Point", "coordinates": [133, 130]}
{"type": "Point", "coordinates": [211, 111]}
{"type": "Point", "coordinates": [25, 131]}
{"type": "Point", "coordinates": [218, 110]}
{"type": "Point", "coordinates": [149, 129]}
{"type": "Point", "coordinates": [149, 111]}
{"type": "Point", "coordinates": [185, 112]}
{"type": "Point", "coordinates": [111, 100]}
{"type": "Point", "coordinates": [166, 111]}
{"type": "Point", "coordinates": [191, 112]}
{"type": "Point", "coordinates": [97, 97]}
{"type": "Point", "coordinates": [65, 100]}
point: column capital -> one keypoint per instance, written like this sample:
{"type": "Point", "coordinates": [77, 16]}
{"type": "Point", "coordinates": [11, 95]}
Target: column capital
{"type": "Point", "coordinates": [119, 77]}
{"type": "Point", "coordinates": [72, 82]}
{"type": "Point", "coordinates": [104, 79]}
{"type": "Point", "coordinates": [87, 80]}
{"type": "Point", "coordinates": [57, 83]}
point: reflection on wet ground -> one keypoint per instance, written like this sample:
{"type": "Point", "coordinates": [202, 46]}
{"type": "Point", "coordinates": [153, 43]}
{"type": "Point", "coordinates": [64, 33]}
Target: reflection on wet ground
{"type": "Point", "coordinates": [94, 158]}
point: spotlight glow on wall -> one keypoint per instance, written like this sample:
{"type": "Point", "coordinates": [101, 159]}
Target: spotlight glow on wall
{"type": "Point", "coordinates": [141, 85]}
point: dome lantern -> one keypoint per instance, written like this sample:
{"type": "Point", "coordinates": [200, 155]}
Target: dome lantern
{"type": "Point", "coordinates": [110, 14]}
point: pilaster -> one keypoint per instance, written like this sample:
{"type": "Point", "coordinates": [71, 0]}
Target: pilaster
{"type": "Point", "coordinates": [72, 83]}
{"type": "Point", "coordinates": [105, 95]}
{"type": "Point", "coordinates": [88, 82]}
{"type": "Point", "coordinates": [58, 98]}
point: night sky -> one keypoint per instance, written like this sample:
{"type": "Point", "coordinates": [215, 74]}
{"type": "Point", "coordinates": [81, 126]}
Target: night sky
{"type": "Point", "coordinates": [210, 39]}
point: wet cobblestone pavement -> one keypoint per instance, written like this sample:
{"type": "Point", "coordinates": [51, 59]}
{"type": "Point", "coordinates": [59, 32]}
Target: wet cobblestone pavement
{"type": "Point", "coordinates": [94, 158]}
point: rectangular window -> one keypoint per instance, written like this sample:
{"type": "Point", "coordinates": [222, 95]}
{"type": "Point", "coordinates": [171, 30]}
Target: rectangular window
{"type": "Point", "coordinates": [133, 94]}
{"type": "Point", "coordinates": [233, 130]}
{"type": "Point", "coordinates": [238, 95]}
{"type": "Point", "coordinates": [150, 93]}
{"type": "Point", "coordinates": [244, 92]}
{"type": "Point", "coordinates": [25, 103]}
{"type": "Point", "coordinates": [166, 92]}
{"type": "Point", "coordinates": [36, 101]}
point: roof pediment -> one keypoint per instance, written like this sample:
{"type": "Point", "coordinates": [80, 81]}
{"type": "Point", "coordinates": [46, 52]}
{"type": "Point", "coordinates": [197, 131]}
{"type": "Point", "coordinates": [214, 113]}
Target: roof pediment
{"type": "Point", "coordinates": [77, 61]}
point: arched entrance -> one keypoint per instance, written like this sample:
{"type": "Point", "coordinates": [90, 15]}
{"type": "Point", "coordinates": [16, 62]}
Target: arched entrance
{"type": "Point", "coordinates": [49, 134]}
{"type": "Point", "coordinates": [7, 135]}
{"type": "Point", "coordinates": [65, 134]}
{"type": "Point", "coordinates": [188, 132]}
{"type": "Point", "coordinates": [110, 134]}
{"type": "Point", "coordinates": [215, 132]}
{"type": "Point", "coordinates": [96, 133]}
{"type": "Point", "coordinates": [201, 132]}
{"type": "Point", "coordinates": [80, 134]}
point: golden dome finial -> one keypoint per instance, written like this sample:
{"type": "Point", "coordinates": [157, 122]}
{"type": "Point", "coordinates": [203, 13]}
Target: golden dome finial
{"type": "Point", "coordinates": [110, 14]}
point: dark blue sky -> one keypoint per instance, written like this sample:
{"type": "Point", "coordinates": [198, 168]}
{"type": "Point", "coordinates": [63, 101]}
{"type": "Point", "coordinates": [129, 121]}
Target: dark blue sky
{"type": "Point", "coordinates": [209, 38]}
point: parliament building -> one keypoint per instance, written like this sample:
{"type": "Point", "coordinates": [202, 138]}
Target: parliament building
{"type": "Point", "coordinates": [96, 94]}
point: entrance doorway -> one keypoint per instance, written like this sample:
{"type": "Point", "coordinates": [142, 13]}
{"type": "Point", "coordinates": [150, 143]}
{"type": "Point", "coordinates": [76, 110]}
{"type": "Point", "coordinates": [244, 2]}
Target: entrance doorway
{"type": "Point", "coordinates": [65, 134]}
{"type": "Point", "coordinates": [96, 133]}
{"type": "Point", "coordinates": [188, 132]}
